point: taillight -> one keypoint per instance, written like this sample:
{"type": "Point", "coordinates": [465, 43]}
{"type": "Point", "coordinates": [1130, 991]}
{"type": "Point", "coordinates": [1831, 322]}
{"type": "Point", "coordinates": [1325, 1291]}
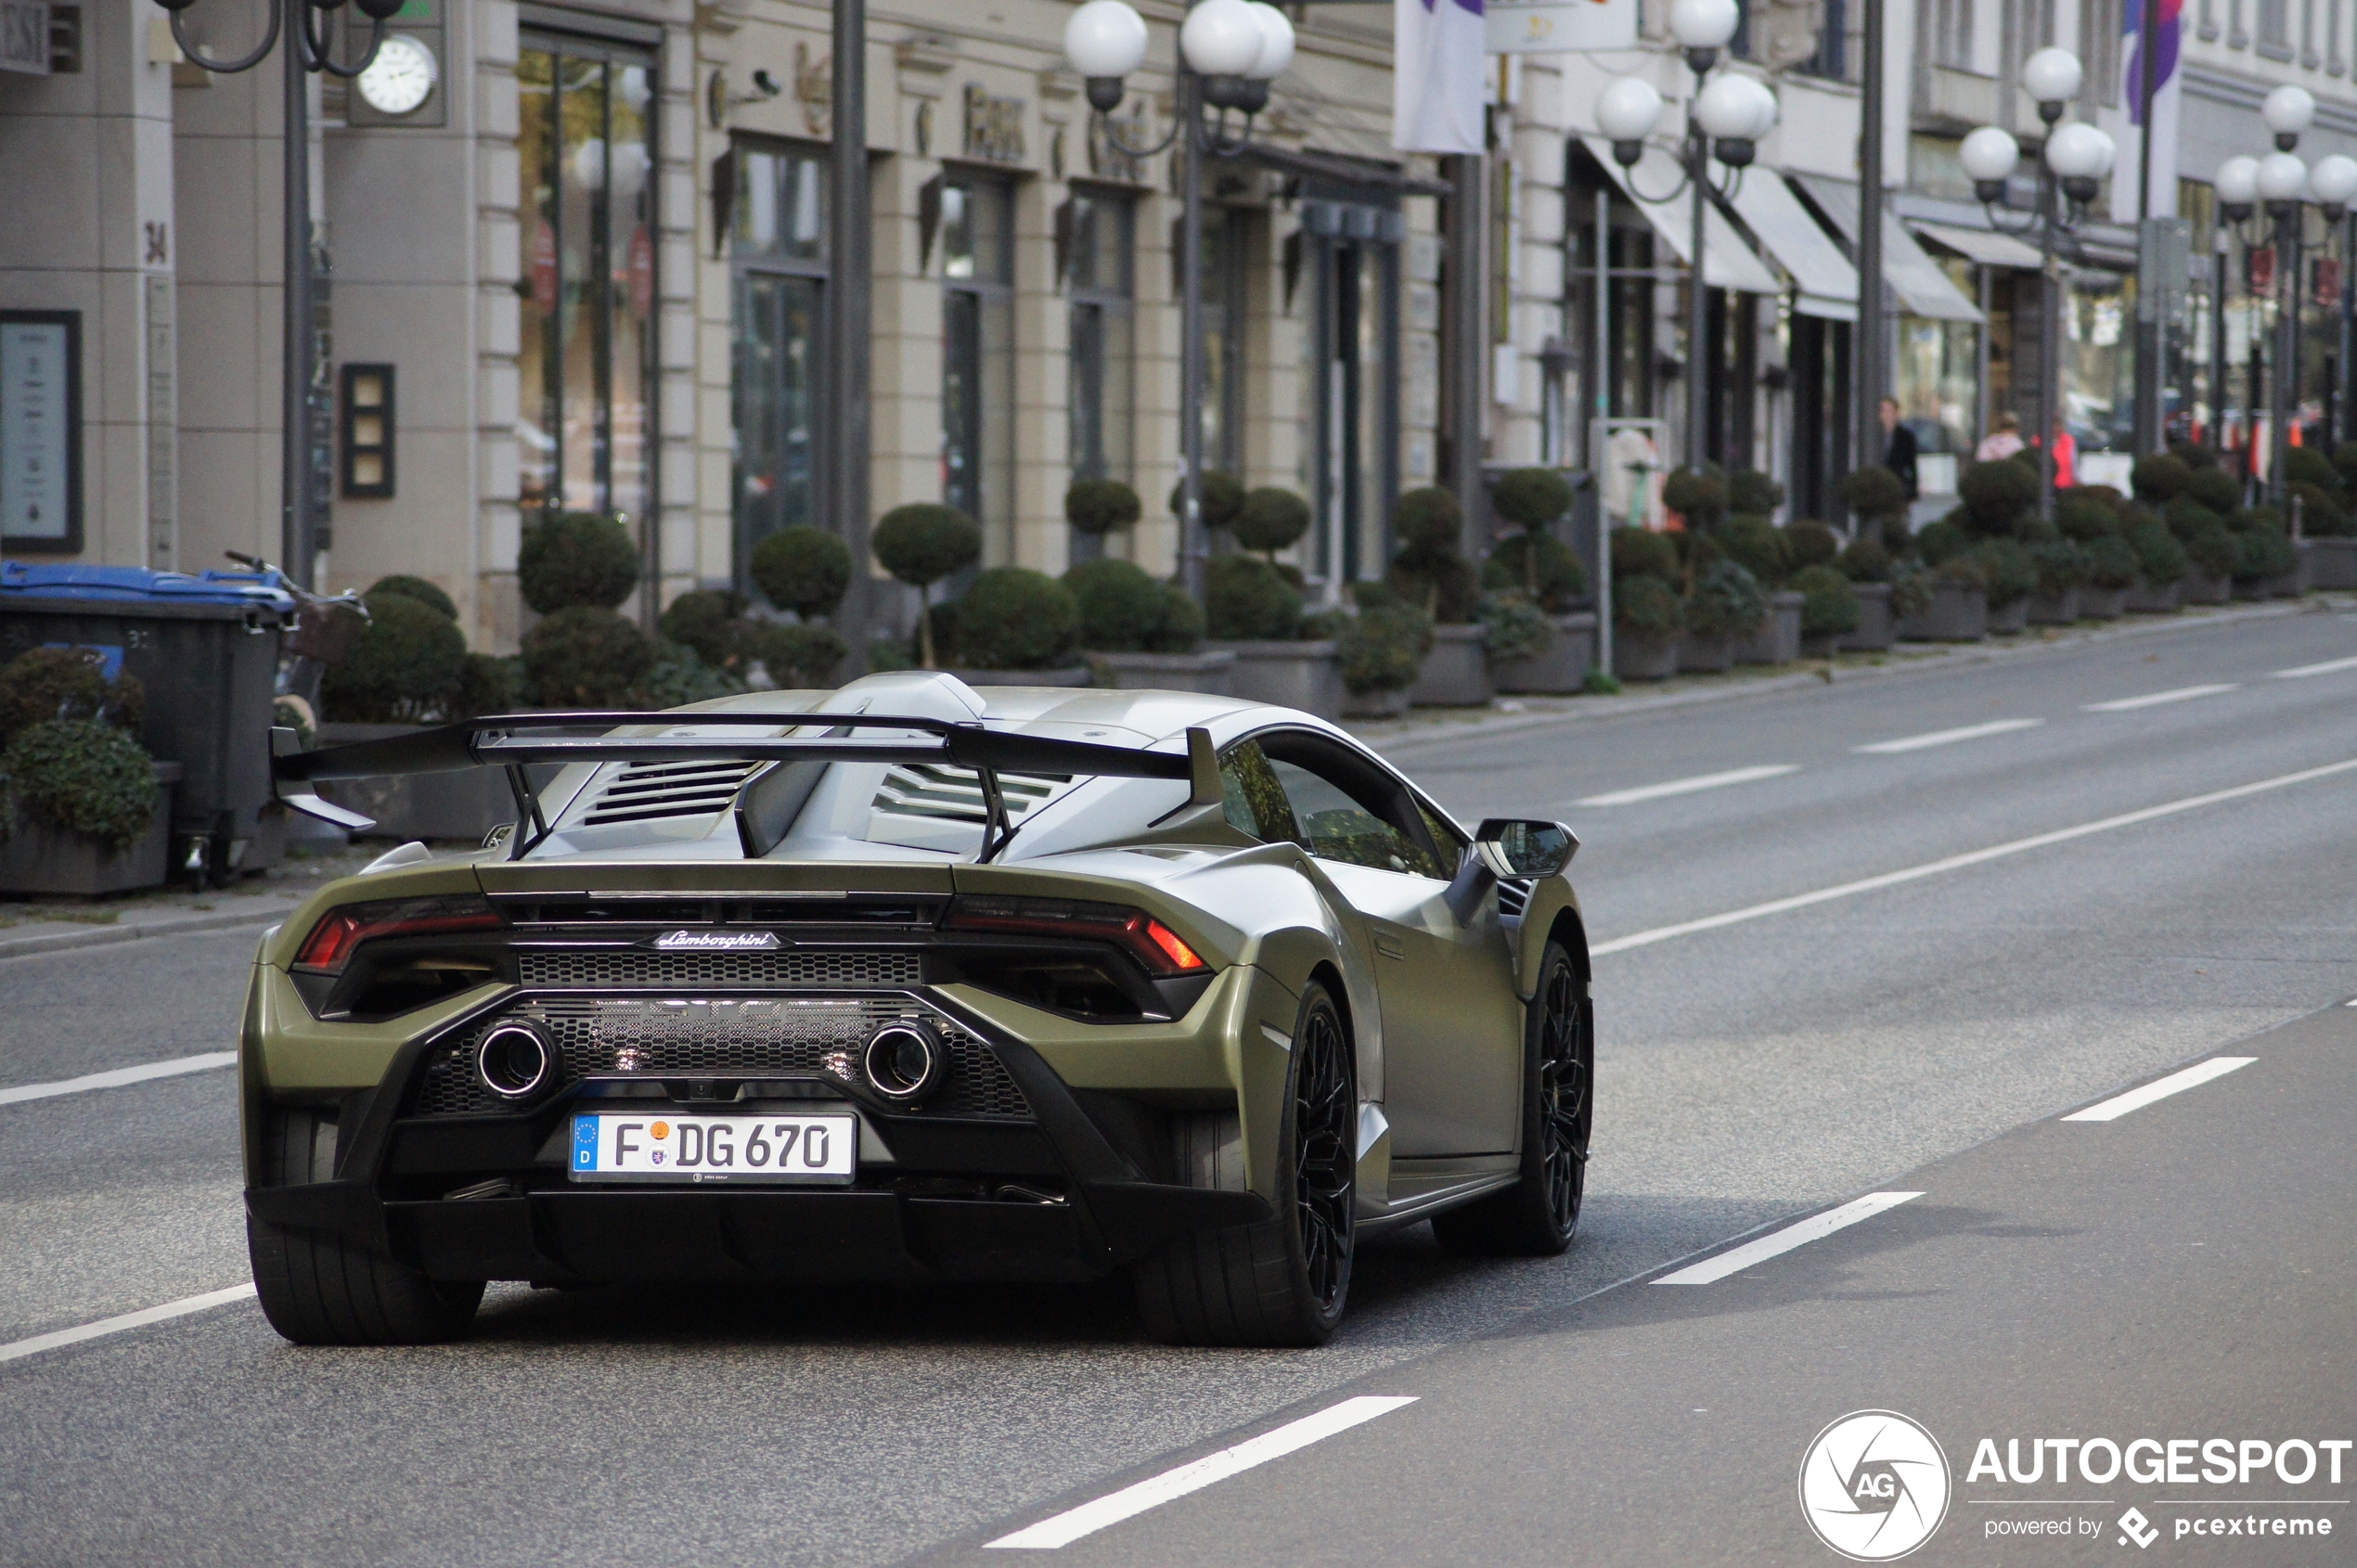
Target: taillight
{"type": "Point", "coordinates": [1162, 950]}
{"type": "Point", "coordinates": [342, 930]}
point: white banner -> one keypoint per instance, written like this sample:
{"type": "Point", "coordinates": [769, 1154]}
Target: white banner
{"type": "Point", "coordinates": [1560, 26]}
{"type": "Point", "coordinates": [2127, 123]}
{"type": "Point", "coordinates": [1437, 82]}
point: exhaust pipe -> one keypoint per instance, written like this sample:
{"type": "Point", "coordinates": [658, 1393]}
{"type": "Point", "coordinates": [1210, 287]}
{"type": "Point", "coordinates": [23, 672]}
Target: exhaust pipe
{"type": "Point", "coordinates": [516, 1060]}
{"type": "Point", "coordinates": [904, 1061]}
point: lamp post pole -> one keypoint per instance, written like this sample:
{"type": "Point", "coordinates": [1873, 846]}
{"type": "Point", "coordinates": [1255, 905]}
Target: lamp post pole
{"type": "Point", "coordinates": [2281, 394]}
{"type": "Point", "coordinates": [2218, 246]}
{"type": "Point", "coordinates": [1697, 301]}
{"type": "Point", "coordinates": [851, 237]}
{"type": "Point", "coordinates": [1194, 545]}
{"type": "Point", "coordinates": [2050, 328]}
{"type": "Point", "coordinates": [1869, 261]}
{"type": "Point", "coordinates": [298, 354]}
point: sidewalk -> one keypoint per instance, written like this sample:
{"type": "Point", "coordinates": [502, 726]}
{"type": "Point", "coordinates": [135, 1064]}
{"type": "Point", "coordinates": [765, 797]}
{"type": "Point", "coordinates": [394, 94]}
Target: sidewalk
{"type": "Point", "coordinates": [1504, 715]}
{"type": "Point", "coordinates": [50, 924]}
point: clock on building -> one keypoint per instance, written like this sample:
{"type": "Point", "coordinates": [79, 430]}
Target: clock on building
{"type": "Point", "coordinates": [400, 77]}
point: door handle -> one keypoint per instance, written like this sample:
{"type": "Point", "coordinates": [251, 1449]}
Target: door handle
{"type": "Point", "coordinates": [1389, 948]}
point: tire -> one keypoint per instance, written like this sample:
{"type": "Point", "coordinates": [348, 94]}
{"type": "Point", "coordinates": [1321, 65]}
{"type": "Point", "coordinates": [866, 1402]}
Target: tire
{"type": "Point", "coordinates": [1285, 1281]}
{"type": "Point", "coordinates": [1536, 1215]}
{"type": "Point", "coordinates": [320, 1288]}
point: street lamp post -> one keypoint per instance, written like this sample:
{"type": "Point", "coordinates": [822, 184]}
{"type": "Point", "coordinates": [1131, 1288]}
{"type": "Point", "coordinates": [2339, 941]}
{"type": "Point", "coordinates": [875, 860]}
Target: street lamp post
{"type": "Point", "coordinates": [1228, 52]}
{"type": "Point", "coordinates": [304, 25]}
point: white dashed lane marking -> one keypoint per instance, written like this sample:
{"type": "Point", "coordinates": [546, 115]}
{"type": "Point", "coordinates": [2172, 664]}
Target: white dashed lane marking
{"type": "Point", "coordinates": [2155, 698]}
{"type": "Point", "coordinates": [119, 1076]}
{"type": "Point", "coordinates": [2329, 667]}
{"type": "Point", "coordinates": [1816, 1228]}
{"type": "Point", "coordinates": [58, 1341]}
{"type": "Point", "coordinates": [1947, 737]}
{"type": "Point", "coordinates": [2199, 1073]}
{"type": "Point", "coordinates": [1689, 785]}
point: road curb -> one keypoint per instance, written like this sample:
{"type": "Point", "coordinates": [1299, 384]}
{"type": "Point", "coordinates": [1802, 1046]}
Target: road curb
{"type": "Point", "coordinates": [107, 936]}
{"type": "Point", "coordinates": [1962, 656]}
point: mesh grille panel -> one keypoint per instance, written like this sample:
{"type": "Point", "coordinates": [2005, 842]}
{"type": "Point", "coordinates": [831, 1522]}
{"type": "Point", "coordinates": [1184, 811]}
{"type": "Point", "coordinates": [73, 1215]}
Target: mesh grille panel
{"type": "Point", "coordinates": [583, 969]}
{"type": "Point", "coordinates": [787, 1037]}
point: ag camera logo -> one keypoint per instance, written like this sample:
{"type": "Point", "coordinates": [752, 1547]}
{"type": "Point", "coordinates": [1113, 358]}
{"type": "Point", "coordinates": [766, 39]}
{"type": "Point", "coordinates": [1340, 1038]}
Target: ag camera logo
{"type": "Point", "coordinates": [1874, 1486]}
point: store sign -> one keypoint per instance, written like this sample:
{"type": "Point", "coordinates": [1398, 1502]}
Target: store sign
{"type": "Point", "coordinates": [24, 36]}
{"type": "Point", "coordinates": [40, 434]}
{"type": "Point", "coordinates": [1555, 27]}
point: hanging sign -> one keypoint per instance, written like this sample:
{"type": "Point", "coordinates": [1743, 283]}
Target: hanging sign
{"type": "Point", "coordinates": [40, 429]}
{"type": "Point", "coordinates": [1556, 27]}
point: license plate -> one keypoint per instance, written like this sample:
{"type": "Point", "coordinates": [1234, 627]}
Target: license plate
{"type": "Point", "coordinates": [714, 1149]}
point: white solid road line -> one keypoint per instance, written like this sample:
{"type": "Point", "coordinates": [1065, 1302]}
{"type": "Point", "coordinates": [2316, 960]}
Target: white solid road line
{"type": "Point", "coordinates": [2120, 1105]}
{"type": "Point", "coordinates": [2155, 698]}
{"type": "Point", "coordinates": [1800, 1234]}
{"type": "Point", "coordinates": [1947, 737]}
{"type": "Point", "coordinates": [1688, 786]}
{"type": "Point", "coordinates": [120, 1077]}
{"type": "Point", "coordinates": [2330, 667]}
{"type": "Point", "coordinates": [1111, 1509]}
{"type": "Point", "coordinates": [1959, 862]}
{"type": "Point", "coordinates": [139, 1319]}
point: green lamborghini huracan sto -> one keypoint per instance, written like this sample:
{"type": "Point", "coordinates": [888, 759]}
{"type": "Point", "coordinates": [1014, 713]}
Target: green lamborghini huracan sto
{"type": "Point", "coordinates": [912, 982]}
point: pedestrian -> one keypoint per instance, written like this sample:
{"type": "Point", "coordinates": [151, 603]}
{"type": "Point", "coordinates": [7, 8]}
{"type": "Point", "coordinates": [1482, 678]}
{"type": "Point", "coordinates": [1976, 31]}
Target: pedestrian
{"type": "Point", "coordinates": [2066, 457]}
{"type": "Point", "coordinates": [1900, 450]}
{"type": "Point", "coordinates": [2000, 443]}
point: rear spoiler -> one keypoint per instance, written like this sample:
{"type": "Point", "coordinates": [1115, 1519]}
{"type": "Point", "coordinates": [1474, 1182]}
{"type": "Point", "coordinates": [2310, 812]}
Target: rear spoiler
{"type": "Point", "coordinates": [514, 741]}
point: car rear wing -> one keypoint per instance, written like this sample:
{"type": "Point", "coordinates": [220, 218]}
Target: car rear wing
{"type": "Point", "coordinates": [516, 742]}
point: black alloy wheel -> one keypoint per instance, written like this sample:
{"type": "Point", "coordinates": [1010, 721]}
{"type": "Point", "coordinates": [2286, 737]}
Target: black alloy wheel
{"type": "Point", "coordinates": [1536, 1215]}
{"type": "Point", "coordinates": [1325, 1172]}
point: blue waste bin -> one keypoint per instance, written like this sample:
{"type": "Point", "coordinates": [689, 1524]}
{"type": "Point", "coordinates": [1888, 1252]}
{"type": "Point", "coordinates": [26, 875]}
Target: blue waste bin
{"type": "Point", "coordinates": [205, 647]}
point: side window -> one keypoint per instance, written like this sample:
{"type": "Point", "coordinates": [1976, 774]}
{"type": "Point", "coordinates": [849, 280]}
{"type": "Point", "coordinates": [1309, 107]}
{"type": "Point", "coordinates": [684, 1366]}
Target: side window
{"type": "Point", "coordinates": [1339, 825]}
{"type": "Point", "coordinates": [1447, 839]}
{"type": "Point", "coordinates": [1255, 801]}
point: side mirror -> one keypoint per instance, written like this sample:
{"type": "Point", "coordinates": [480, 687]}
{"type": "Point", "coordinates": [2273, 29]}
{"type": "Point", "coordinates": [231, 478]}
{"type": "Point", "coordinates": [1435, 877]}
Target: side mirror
{"type": "Point", "coordinates": [1521, 847]}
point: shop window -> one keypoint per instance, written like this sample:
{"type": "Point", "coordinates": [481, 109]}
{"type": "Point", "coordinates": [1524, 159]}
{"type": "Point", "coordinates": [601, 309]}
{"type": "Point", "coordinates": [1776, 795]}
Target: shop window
{"type": "Point", "coordinates": [778, 244]}
{"type": "Point", "coordinates": [587, 277]}
{"type": "Point", "coordinates": [1353, 382]}
{"type": "Point", "coordinates": [1099, 234]}
{"type": "Point", "coordinates": [1226, 232]}
{"type": "Point", "coordinates": [978, 361]}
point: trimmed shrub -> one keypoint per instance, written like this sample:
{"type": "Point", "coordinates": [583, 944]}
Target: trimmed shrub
{"type": "Point", "coordinates": [1700, 498]}
{"type": "Point", "coordinates": [2305, 465]}
{"type": "Point", "coordinates": [1428, 570]}
{"type": "Point", "coordinates": [1939, 541]}
{"type": "Point", "coordinates": [1647, 606]}
{"type": "Point", "coordinates": [1270, 519]}
{"type": "Point", "coordinates": [921, 543]}
{"type": "Point", "coordinates": [1909, 588]}
{"type": "Point", "coordinates": [404, 669]}
{"type": "Point", "coordinates": [1995, 493]}
{"type": "Point", "coordinates": [2320, 514]}
{"type": "Point", "coordinates": [1639, 552]}
{"type": "Point", "coordinates": [2187, 517]}
{"type": "Point", "coordinates": [2264, 553]}
{"type": "Point", "coordinates": [2012, 575]}
{"type": "Point", "coordinates": [1962, 570]}
{"type": "Point", "coordinates": [1428, 523]}
{"type": "Point", "coordinates": [1726, 601]}
{"type": "Point", "coordinates": [569, 558]}
{"type": "Point", "coordinates": [83, 775]}
{"type": "Point", "coordinates": [1540, 566]}
{"type": "Point", "coordinates": [1865, 560]}
{"type": "Point", "coordinates": [2345, 463]}
{"type": "Point", "coordinates": [1753, 493]}
{"type": "Point", "coordinates": [2061, 566]}
{"type": "Point", "coordinates": [2160, 560]}
{"type": "Point", "coordinates": [1180, 624]}
{"type": "Point", "coordinates": [712, 621]}
{"type": "Point", "coordinates": [2159, 477]}
{"type": "Point", "coordinates": [1222, 497]}
{"type": "Point", "coordinates": [1758, 546]}
{"type": "Point", "coordinates": [2217, 490]}
{"type": "Point", "coordinates": [2215, 551]}
{"type": "Point", "coordinates": [1100, 506]}
{"type": "Point", "coordinates": [1810, 543]}
{"type": "Point", "coordinates": [1245, 599]}
{"type": "Point", "coordinates": [804, 570]}
{"type": "Point", "coordinates": [2194, 454]}
{"type": "Point", "coordinates": [2031, 529]}
{"type": "Point", "coordinates": [1382, 649]}
{"type": "Point", "coordinates": [2112, 563]}
{"type": "Point", "coordinates": [1829, 605]}
{"type": "Point", "coordinates": [1875, 494]}
{"type": "Point", "coordinates": [1530, 498]}
{"type": "Point", "coordinates": [800, 656]}
{"type": "Point", "coordinates": [584, 657]}
{"type": "Point", "coordinates": [486, 685]}
{"type": "Point", "coordinates": [1014, 618]}
{"type": "Point", "coordinates": [679, 677]}
{"type": "Point", "coordinates": [1518, 627]}
{"type": "Point", "coordinates": [2084, 518]}
{"type": "Point", "coordinates": [43, 684]}
{"type": "Point", "coordinates": [405, 586]}
{"type": "Point", "coordinates": [1121, 605]}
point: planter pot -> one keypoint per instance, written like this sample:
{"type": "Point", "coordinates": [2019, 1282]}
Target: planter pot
{"type": "Point", "coordinates": [1877, 629]}
{"type": "Point", "coordinates": [2102, 604]}
{"type": "Point", "coordinates": [1823, 646]}
{"type": "Point", "coordinates": [1561, 670]}
{"type": "Point", "coordinates": [1955, 615]}
{"type": "Point", "coordinates": [1307, 676]}
{"type": "Point", "coordinates": [40, 857]}
{"type": "Point", "coordinates": [1645, 655]}
{"type": "Point", "coordinates": [2056, 609]}
{"type": "Point", "coordinates": [2284, 585]}
{"type": "Point", "coordinates": [1209, 670]}
{"type": "Point", "coordinates": [1706, 656]}
{"type": "Point", "coordinates": [2198, 589]}
{"type": "Point", "coordinates": [1778, 639]}
{"type": "Point", "coordinates": [1373, 704]}
{"type": "Point", "coordinates": [2010, 619]}
{"type": "Point", "coordinates": [422, 805]}
{"type": "Point", "coordinates": [1456, 673]}
{"type": "Point", "coordinates": [2144, 598]}
{"type": "Point", "coordinates": [1077, 675]}
{"type": "Point", "coordinates": [2251, 589]}
{"type": "Point", "coordinates": [2328, 564]}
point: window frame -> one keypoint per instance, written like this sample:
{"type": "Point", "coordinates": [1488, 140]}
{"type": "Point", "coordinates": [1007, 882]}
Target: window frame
{"type": "Point", "coordinates": [1420, 812]}
{"type": "Point", "coordinates": [747, 265]}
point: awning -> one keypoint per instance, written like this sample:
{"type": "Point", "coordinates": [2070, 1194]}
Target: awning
{"type": "Point", "coordinates": [1922, 288]}
{"type": "Point", "coordinates": [1342, 169]}
{"type": "Point", "coordinates": [1728, 263]}
{"type": "Point", "coordinates": [1990, 249]}
{"type": "Point", "coordinates": [1828, 284]}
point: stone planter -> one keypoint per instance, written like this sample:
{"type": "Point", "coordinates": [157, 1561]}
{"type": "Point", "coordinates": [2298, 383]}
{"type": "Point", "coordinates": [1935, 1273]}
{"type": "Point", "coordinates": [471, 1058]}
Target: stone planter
{"type": "Point", "coordinates": [2102, 604]}
{"type": "Point", "coordinates": [1645, 655]}
{"type": "Point", "coordinates": [1560, 670]}
{"type": "Point", "coordinates": [39, 858]}
{"type": "Point", "coordinates": [2328, 564]}
{"type": "Point", "coordinates": [2251, 589]}
{"type": "Point", "coordinates": [1706, 656]}
{"type": "Point", "coordinates": [1307, 676]}
{"type": "Point", "coordinates": [1955, 615]}
{"type": "Point", "coordinates": [1877, 629]}
{"type": "Point", "coordinates": [1778, 639]}
{"type": "Point", "coordinates": [2198, 589]}
{"type": "Point", "coordinates": [1209, 670]}
{"type": "Point", "coordinates": [1373, 704]}
{"type": "Point", "coordinates": [2055, 610]}
{"type": "Point", "coordinates": [2284, 585]}
{"type": "Point", "coordinates": [2010, 619]}
{"type": "Point", "coordinates": [1456, 673]}
{"type": "Point", "coordinates": [1077, 675]}
{"type": "Point", "coordinates": [1823, 646]}
{"type": "Point", "coordinates": [2144, 598]}
{"type": "Point", "coordinates": [422, 805]}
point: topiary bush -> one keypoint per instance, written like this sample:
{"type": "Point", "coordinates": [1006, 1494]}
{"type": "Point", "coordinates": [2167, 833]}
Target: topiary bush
{"type": "Point", "coordinates": [2012, 575]}
{"type": "Point", "coordinates": [1939, 541]}
{"type": "Point", "coordinates": [1222, 497]}
{"type": "Point", "coordinates": [569, 558]}
{"type": "Point", "coordinates": [2061, 566]}
{"type": "Point", "coordinates": [2264, 554]}
{"type": "Point", "coordinates": [1014, 618]}
{"type": "Point", "coordinates": [1726, 601]}
{"type": "Point", "coordinates": [712, 621]}
{"type": "Point", "coordinates": [2219, 490]}
{"type": "Point", "coordinates": [1962, 570]}
{"type": "Point", "coordinates": [1428, 570]}
{"type": "Point", "coordinates": [2112, 562]}
{"type": "Point", "coordinates": [2213, 551]}
{"type": "Point", "coordinates": [1125, 609]}
{"type": "Point", "coordinates": [1874, 494]}
{"type": "Point", "coordinates": [2345, 464]}
{"type": "Point", "coordinates": [1751, 493]}
{"type": "Point", "coordinates": [2160, 559]}
{"type": "Point", "coordinates": [804, 570]}
{"type": "Point", "coordinates": [2320, 514]}
{"type": "Point", "coordinates": [1383, 648]}
{"type": "Point", "coordinates": [1270, 519]}
{"type": "Point", "coordinates": [798, 656]}
{"type": "Point", "coordinates": [1994, 495]}
{"type": "Point", "coordinates": [1539, 566]}
{"type": "Point", "coordinates": [2159, 475]}
{"type": "Point", "coordinates": [486, 685]}
{"type": "Point", "coordinates": [1758, 546]}
{"type": "Point", "coordinates": [425, 593]}
{"type": "Point", "coordinates": [404, 669]}
{"type": "Point", "coordinates": [1639, 552]}
{"type": "Point", "coordinates": [2245, 519]}
{"type": "Point", "coordinates": [1178, 627]}
{"type": "Point", "coordinates": [1866, 560]}
{"type": "Point", "coordinates": [679, 675]}
{"type": "Point", "coordinates": [1828, 605]}
{"type": "Point", "coordinates": [86, 776]}
{"type": "Point", "coordinates": [42, 684]}
{"type": "Point", "coordinates": [1245, 599]}
{"type": "Point", "coordinates": [921, 543]}
{"type": "Point", "coordinates": [1098, 506]}
{"type": "Point", "coordinates": [2083, 518]}
{"type": "Point", "coordinates": [586, 657]}
{"type": "Point", "coordinates": [2187, 517]}
{"type": "Point", "coordinates": [1699, 497]}
{"type": "Point", "coordinates": [2305, 465]}
{"type": "Point", "coordinates": [1810, 543]}
{"type": "Point", "coordinates": [1530, 499]}
{"type": "Point", "coordinates": [1518, 629]}
{"type": "Point", "coordinates": [1647, 606]}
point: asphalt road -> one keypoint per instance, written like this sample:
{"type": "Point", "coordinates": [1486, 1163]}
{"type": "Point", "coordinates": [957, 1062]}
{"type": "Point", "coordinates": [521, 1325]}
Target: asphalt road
{"type": "Point", "coordinates": [1750, 1072]}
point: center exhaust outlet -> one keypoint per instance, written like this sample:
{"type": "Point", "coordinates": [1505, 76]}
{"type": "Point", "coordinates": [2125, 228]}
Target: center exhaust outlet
{"type": "Point", "coordinates": [904, 1061]}
{"type": "Point", "coordinates": [515, 1060]}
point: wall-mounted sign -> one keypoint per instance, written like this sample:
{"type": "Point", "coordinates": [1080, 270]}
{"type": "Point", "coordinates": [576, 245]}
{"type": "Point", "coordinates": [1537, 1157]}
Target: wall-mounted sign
{"type": "Point", "coordinates": [1555, 27]}
{"type": "Point", "coordinates": [41, 431]}
{"type": "Point", "coordinates": [994, 127]}
{"type": "Point", "coordinates": [24, 36]}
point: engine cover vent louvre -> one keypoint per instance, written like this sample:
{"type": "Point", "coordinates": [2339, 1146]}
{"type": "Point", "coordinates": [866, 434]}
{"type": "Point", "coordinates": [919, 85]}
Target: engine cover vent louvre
{"type": "Point", "coordinates": [646, 791]}
{"type": "Point", "coordinates": [954, 795]}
